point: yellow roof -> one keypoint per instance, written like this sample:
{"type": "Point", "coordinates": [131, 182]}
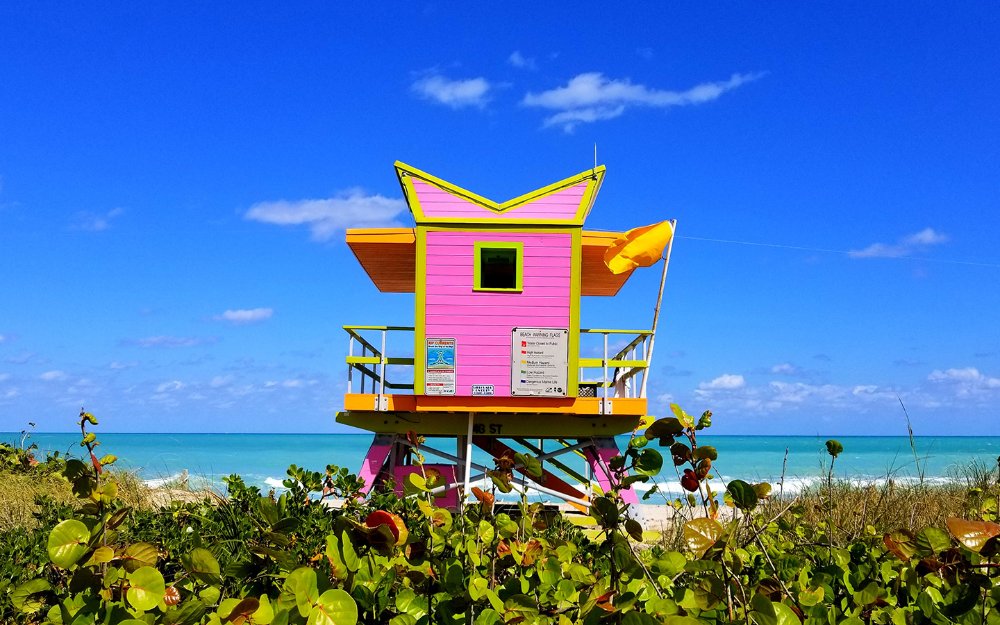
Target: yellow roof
{"type": "Point", "coordinates": [389, 257]}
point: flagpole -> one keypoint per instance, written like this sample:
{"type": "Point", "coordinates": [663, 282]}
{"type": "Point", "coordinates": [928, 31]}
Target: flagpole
{"type": "Point", "coordinates": [656, 310]}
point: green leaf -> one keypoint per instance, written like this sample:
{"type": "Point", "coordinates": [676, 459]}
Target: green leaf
{"type": "Point", "coordinates": [810, 598]}
{"type": "Point", "coordinates": [138, 555]}
{"type": "Point", "coordinates": [531, 464]}
{"type": "Point", "coordinates": [334, 607]}
{"type": "Point", "coordinates": [743, 494]}
{"type": "Point", "coordinates": [477, 588]}
{"type": "Point", "coordinates": [146, 588]}
{"type": "Point", "coordinates": [634, 529]}
{"type": "Point", "coordinates": [649, 462]}
{"type": "Point", "coordinates": [701, 534]}
{"type": "Point", "coordinates": [521, 603]}
{"type": "Point", "coordinates": [410, 603]}
{"type": "Point", "coordinates": [415, 483]}
{"type": "Point", "coordinates": [202, 565]}
{"type": "Point", "coordinates": [931, 540]}
{"type": "Point", "coordinates": [784, 614]}
{"type": "Point", "coordinates": [683, 418]}
{"type": "Point", "coordinates": [667, 427]}
{"type": "Point", "coordinates": [834, 448]}
{"type": "Point", "coordinates": [486, 532]}
{"type": "Point", "coordinates": [68, 543]}
{"type": "Point", "coordinates": [25, 596]}
{"type": "Point", "coordinates": [604, 511]}
{"type": "Point", "coordinates": [348, 553]}
{"type": "Point", "coordinates": [763, 490]}
{"type": "Point", "coordinates": [265, 613]}
{"type": "Point", "coordinates": [705, 451]}
{"type": "Point", "coordinates": [301, 583]}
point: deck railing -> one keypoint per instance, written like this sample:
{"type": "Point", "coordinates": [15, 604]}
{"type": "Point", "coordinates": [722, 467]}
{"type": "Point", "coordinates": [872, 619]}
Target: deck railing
{"type": "Point", "coordinates": [621, 374]}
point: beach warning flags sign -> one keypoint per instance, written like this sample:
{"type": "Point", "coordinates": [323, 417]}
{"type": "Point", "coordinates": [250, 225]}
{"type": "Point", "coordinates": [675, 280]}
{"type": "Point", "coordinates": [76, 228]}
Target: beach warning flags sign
{"type": "Point", "coordinates": [639, 247]}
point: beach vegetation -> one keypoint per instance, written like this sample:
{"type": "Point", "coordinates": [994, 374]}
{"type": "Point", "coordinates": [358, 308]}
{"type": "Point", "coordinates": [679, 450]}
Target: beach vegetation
{"type": "Point", "coordinates": [746, 555]}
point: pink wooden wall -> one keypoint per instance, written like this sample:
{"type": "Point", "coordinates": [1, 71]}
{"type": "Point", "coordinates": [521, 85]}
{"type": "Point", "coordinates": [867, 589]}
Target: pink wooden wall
{"type": "Point", "coordinates": [481, 322]}
{"type": "Point", "coordinates": [436, 202]}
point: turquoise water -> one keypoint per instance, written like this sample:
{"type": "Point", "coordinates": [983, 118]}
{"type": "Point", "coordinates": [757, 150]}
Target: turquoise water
{"type": "Point", "coordinates": [263, 458]}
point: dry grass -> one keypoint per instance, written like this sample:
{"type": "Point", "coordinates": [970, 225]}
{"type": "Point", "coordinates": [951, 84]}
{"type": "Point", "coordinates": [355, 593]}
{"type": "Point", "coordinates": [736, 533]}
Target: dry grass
{"type": "Point", "coordinates": [19, 492]}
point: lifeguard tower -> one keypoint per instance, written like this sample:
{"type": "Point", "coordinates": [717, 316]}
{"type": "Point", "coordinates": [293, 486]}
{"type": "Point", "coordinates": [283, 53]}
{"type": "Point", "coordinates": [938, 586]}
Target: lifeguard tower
{"type": "Point", "coordinates": [496, 340]}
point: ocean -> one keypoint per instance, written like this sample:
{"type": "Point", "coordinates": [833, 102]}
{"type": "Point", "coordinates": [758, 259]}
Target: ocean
{"type": "Point", "coordinates": [262, 459]}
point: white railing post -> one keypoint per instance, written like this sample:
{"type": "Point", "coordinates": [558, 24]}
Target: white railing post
{"type": "Point", "coordinates": [604, 364]}
{"type": "Point", "coordinates": [350, 367]}
{"type": "Point", "coordinates": [382, 359]}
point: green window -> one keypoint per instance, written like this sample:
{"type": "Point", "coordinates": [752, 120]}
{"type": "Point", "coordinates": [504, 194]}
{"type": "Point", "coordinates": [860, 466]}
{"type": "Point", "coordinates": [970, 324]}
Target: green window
{"type": "Point", "coordinates": [499, 266]}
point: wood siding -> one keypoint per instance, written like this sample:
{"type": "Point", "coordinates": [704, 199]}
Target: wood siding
{"type": "Point", "coordinates": [437, 202]}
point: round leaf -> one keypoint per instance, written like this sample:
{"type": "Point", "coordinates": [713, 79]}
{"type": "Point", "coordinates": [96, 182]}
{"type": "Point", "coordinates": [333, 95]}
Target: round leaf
{"type": "Point", "coordinates": [139, 555]}
{"type": "Point", "coordinates": [146, 588]}
{"type": "Point", "coordinates": [68, 543]}
{"type": "Point", "coordinates": [701, 534]}
{"type": "Point", "coordinates": [202, 565]}
{"type": "Point", "coordinates": [743, 494]}
{"type": "Point", "coordinates": [706, 451]}
{"type": "Point", "coordinates": [972, 534]}
{"type": "Point", "coordinates": [649, 462]}
{"type": "Point", "coordinates": [24, 597]}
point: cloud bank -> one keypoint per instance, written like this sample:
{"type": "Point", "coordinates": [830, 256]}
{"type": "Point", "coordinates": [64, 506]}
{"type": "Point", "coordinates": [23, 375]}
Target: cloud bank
{"type": "Point", "coordinates": [456, 94]}
{"type": "Point", "coordinates": [916, 242]}
{"type": "Point", "coordinates": [245, 315]}
{"type": "Point", "coordinates": [592, 97]}
{"type": "Point", "coordinates": [327, 217]}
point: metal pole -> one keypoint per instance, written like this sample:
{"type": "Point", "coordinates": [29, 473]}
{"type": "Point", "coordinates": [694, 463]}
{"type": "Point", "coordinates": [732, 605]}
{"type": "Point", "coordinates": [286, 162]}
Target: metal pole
{"type": "Point", "coordinates": [468, 459]}
{"type": "Point", "coordinates": [656, 311]}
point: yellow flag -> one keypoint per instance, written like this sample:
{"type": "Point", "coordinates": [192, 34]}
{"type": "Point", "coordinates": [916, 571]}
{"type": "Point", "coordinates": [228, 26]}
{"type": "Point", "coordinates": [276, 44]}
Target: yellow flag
{"type": "Point", "coordinates": [639, 247]}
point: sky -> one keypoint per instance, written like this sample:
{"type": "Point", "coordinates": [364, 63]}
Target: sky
{"type": "Point", "coordinates": [176, 178]}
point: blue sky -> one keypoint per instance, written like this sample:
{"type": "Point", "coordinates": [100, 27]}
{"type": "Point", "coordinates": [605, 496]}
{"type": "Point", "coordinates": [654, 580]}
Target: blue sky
{"type": "Point", "coordinates": [175, 181]}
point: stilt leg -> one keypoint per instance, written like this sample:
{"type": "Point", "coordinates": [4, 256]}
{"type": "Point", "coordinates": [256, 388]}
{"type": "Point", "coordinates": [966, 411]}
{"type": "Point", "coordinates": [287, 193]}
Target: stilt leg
{"type": "Point", "coordinates": [375, 460]}
{"type": "Point", "coordinates": [598, 456]}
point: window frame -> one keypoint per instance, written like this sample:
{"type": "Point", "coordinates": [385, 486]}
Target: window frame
{"type": "Point", "coordinates": [478, 248]}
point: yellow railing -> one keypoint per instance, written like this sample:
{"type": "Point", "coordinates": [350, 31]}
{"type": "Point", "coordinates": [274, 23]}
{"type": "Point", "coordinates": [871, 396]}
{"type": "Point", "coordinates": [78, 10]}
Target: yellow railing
{"type": "Point", "coordinates": [621, 373]}
{"type": "Point", "coordinates": [373, 360]}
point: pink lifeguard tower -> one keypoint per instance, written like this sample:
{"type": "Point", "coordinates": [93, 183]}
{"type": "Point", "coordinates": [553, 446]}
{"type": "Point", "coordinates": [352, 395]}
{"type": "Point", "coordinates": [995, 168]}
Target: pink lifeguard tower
{"type": "Point", "coordinates": [496, 339]}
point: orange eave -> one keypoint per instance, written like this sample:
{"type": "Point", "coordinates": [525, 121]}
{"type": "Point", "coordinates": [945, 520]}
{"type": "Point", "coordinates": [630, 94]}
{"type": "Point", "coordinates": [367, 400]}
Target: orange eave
{"type": "Point", "coordinates": [389, 257]}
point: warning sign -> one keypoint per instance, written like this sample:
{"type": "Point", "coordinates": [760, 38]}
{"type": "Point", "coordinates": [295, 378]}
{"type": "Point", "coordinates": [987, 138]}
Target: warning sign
{"type": "Point", "coordinates": [439, 370]}
{"type": "Point", "coordinates": [539, 362]}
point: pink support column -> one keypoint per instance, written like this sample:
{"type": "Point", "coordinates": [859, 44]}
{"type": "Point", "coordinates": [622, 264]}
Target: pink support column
{"type": "Point", "coordinates": [375, 460]}
{"type": "Point", "coordinates": [598, 457]}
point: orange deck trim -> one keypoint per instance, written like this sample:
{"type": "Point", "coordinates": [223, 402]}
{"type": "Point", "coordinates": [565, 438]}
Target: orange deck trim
{"type": "Point", "coordinates": [389, 257]}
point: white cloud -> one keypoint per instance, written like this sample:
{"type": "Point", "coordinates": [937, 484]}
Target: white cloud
{"type": "Point", "coordinates": [916, 242]}
{"type": "Point", "coordinates": [4, 377]}
{"type": "Point", "coordinates": [119, 366]}
{"type": "Point", "coordinates": [455, 94]}
{"type": "Point", "coordinates": [591, 97]}
{"type": "Point", "coordinates": [327, 217]}
{"type": "Point", "coordinates": [520, 61]}
{"type": "Point", "coordinates": [50, 376]}
{"type": "Point", "coordinates": [168, 341]}
{"type": "Point", "coordinates": [245, 315]}
{"type": "Point", "coordinates": [725, 382]}
{"type": "Point", "coordinates": [171, 386]}
{"type": "Point", "coordinates": [96, 222]}
{"type": "Point", "coordinates": [785, 368]}
{"type": "Point", "coordinates": [966, 382]}
{"type": "Point", "coordinates": [3, 338]}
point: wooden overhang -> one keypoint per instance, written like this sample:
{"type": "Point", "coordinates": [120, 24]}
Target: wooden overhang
{"type": "Point", "coordinates": [389, 257]}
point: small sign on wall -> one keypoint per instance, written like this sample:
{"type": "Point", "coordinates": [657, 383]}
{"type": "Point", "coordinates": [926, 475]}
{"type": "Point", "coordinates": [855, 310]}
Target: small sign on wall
{"type": "Point", "coordinates": [439, 369]}
{"type": "Point", "coordinates": [539, 364]}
